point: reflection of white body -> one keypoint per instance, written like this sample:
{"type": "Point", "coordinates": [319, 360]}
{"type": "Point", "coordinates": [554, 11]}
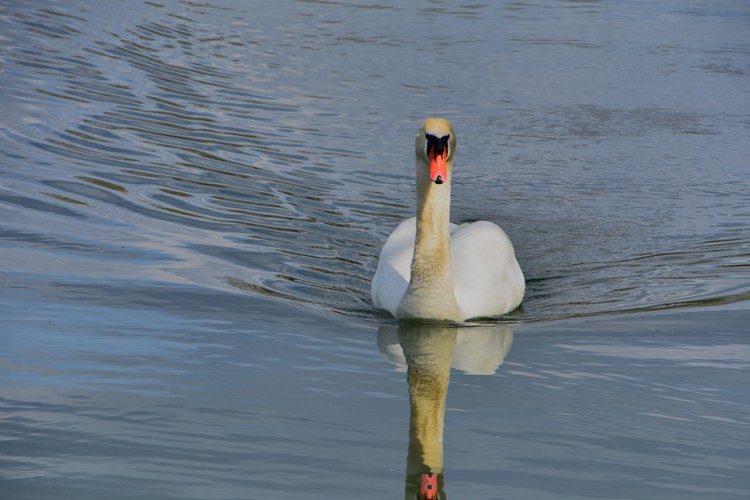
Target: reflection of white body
{"type": "Point", "coordinates": [479, 350]}
{"type": "Point", "coordinates": [432, 269]}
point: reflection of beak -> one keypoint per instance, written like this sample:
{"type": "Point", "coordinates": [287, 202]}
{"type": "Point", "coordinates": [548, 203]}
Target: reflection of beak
{"type": "Point", "coordinates": [438, 165]}
{"type": "Point", "coordinates": [429, 487]}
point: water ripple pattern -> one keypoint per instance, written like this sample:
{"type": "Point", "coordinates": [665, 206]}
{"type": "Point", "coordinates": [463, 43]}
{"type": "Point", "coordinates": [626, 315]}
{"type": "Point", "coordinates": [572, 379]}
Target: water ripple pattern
{"type": "Point", "coordinates": [166, 141]}
{"type": "Point", "coordinates": [267, 156]}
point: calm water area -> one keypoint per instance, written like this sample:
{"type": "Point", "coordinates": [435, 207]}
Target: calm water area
{"type": "Point", "coordinates": [193, 195]}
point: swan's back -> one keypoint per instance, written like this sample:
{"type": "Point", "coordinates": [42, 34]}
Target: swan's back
{"type": "Point", "coordinates": [486, 276]}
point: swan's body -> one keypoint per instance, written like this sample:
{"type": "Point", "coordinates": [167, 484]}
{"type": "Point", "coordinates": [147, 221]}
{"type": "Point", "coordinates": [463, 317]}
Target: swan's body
{"type": "Point", "coordinates": [432, 269]}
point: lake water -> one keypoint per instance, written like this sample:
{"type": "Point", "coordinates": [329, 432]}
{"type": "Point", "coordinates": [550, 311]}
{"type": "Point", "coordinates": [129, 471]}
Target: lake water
{"type": "Point", "coordinates": [193, 196]}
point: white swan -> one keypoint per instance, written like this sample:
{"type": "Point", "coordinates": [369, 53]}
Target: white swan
{"type": "Point", "coordinates": [434, 270]}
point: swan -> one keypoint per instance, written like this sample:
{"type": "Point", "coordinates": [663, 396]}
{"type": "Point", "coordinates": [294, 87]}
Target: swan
{"type": "Point", "coordinates": [430, 269]}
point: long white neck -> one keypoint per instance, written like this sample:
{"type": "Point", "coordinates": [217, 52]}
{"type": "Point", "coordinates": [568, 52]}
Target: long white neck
{"type": "Point", "coordinates": [430, 292]}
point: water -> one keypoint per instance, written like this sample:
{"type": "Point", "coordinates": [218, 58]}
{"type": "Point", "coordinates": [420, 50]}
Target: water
{"type": "Point", "coordinates": [193, 196]}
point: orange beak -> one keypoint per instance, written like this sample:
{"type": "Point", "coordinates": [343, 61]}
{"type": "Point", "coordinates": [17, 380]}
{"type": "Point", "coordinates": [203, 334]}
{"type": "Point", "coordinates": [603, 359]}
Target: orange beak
{"type": "Point", "coordinates": [438, 166]}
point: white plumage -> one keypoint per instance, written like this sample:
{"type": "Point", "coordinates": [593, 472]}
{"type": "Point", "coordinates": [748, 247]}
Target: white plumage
{"type": "Point", "coordinates": [459, 272]}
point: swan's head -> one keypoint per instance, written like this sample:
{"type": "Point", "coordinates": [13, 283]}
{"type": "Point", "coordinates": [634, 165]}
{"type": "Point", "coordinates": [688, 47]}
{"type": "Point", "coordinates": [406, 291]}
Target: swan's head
{"type": "Point", "coordinates": [435, 146]}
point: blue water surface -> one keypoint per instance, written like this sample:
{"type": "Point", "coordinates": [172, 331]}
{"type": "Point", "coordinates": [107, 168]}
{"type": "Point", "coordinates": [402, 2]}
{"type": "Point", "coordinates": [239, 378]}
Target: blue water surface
{"type": "Point", "coordinates": [193, 196]}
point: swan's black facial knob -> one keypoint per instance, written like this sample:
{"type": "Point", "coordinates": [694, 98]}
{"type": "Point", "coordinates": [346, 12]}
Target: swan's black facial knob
{"type": "Point", "coordinates": [437, 144]}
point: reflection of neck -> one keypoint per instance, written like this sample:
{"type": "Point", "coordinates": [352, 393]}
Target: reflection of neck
{"type": "Point", "coordinates": [428, 353]}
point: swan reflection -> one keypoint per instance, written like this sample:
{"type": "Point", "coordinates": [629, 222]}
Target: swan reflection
{"type": "Point", "coordinates": [426, 353]}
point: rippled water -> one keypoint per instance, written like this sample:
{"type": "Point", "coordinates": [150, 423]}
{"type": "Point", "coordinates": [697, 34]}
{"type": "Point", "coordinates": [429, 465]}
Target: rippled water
{"type": "Point", "coordinates": [193, 196]}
